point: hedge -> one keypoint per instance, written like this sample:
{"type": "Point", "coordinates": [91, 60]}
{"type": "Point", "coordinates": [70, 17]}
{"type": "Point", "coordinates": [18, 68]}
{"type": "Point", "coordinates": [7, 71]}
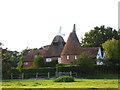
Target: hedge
{"type": "Point", "coordinates": [98, 70]}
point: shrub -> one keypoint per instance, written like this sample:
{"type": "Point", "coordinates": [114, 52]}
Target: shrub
{"type": "Point", "coordinates": [86, 62]}
{"type": "Point", "coordinates": [51, 64]}
{"type": "Point", "coordinates": [38, 61]}
{"type": "Point", "coordinates": [64, 79]}
{"type": "Point", "coordinates": [19, 66]}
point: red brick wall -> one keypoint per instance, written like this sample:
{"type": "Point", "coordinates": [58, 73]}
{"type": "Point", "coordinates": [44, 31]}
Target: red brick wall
{"type": "Point", "coordinates": [29, 64]}
{"type": "Point", "coordinates": [71, 59]}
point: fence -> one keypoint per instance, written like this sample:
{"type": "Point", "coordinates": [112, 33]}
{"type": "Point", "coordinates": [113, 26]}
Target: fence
{"type": "Point", "coordinates": [39, 75]}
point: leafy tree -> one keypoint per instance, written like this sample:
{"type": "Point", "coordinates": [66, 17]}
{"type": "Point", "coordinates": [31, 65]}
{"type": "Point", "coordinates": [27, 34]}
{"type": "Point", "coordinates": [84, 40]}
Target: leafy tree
{"type": "Point", "coordinates": [9, 60]}
{"type": "Point", "coordinates": [99, 35]}
{"type": "Point", "coordinates": [112, 49]}
{"type": "Point", "coordinates": [38, 61]}
{"type": "Point", "coordinates": [6, 66]}
{"type": "Point", "coordinates": [86, 62]}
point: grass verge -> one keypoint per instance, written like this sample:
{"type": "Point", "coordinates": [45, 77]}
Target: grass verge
{"type": "Point", "coordinates": [79, 83]}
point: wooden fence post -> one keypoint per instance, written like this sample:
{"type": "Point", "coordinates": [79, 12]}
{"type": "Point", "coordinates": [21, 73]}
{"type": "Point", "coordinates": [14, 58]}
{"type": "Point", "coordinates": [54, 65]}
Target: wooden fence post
{"type": "Point", "coordinates": [56, 74]}
{"type": "Point", "coordinates": [22, 75]}
{"type": "Point", "coordinates": [48, 75]}
{"type": "Point", "coordinates": [76, 74]}
{"type": "Point", "coordinates": [11, 75]}
{"type": "Point", "coordinates": [71, 73]}
{"type": "Point", "coordinates": [36, 75]}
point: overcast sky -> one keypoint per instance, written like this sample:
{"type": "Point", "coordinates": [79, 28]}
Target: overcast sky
{"type": "Point", "coordinates": [34, 23]}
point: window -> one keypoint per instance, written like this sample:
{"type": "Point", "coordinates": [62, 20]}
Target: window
{"type": "Point", "coordinates": [75, 57]}
{"type": "Point", "coordinates": [25, 63]}
{"type": "Point", "coordinates": [59, 60]}
{"type": "Point", "coordinates": [100, 63]}
{"type": "Point", "coordinates": [48, 59]}
{"type": "Point", "coordinates": [35, 56]}
{"type": "Point", "coordinates": [68, 57]}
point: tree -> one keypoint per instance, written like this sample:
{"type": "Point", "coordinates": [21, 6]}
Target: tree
{"type": "Point", "coordinates": [112, 49]}
{"type": "Point", "coordinates": [38, 61]}
{"type": "Point", "coordinates": [99, 35]}
{"type": "Point", "coordinates": [6, 66]}
{"type": "Point", "coordinates": [9, 60]}
{"type": "Point", "coordinates": [86, 62]}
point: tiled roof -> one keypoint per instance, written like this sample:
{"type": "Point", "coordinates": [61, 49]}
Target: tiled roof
{"type": "Point", "coordinates": [56, 47]}
{"type": "Point", "coordinates": [72, 45]}
{"type": "Point", "coordinates": [92, 51]}
{"type": "Point", "coordinates": [32, 53]}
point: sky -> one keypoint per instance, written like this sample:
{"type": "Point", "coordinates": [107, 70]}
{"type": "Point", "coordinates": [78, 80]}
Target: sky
{"type": "Point", "coordinates": [34, 23]}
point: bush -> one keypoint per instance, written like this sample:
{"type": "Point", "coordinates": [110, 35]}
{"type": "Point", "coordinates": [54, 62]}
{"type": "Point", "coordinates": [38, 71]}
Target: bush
{"type": "Point", "coordinates": [64, 79]}
{"type": "Point", "coordinates": [51, 64]}
{"type": "Point", "coordinates": [38, 61]}
{"type": "Point", "coordinates": [86, 62]}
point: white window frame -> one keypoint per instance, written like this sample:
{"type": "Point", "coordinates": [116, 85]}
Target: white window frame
{"type": "Point", "coordinates": [35, 56]}
{"type": "Point", "coordinates": [75, 57]}
{"type": "Point", "coordinates": [59, 60]}
{"type": "Point", "coordinates": [68, 57]}
{"type": "Point", "coordinates": [48, 59]}
{"type": "Point", "coordinates": [25, 63]}
{"type": "Point", "coordinates": [99, 63]}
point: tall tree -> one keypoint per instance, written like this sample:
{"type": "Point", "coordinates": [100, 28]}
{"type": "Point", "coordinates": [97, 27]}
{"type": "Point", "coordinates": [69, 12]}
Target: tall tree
{"type": "Point", "coordinates": [99, 35]}
{"type": "Point", "coordinates": [112, 50]}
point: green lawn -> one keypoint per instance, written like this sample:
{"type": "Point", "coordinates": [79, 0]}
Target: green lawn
{"type": "Point", "coordinates": [79, 83]}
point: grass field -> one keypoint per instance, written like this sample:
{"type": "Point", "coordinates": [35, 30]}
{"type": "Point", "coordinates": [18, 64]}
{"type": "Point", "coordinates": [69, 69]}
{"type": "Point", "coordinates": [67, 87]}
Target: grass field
{"type": "Point", "coordinates": [79, 83]}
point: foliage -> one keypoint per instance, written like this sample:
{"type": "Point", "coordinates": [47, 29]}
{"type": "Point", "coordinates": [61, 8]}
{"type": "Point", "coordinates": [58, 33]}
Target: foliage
{"type": "Point", "coordinates": [98, 69]}
{"type": "Point", "coordinates": [38, 61]}
{"type": "Point", "coordinates": [9, 59]}
{"type": "Point", "coordinates": [86, 62]}
{"type": "Point", "coordinates": [60, 65]}
{"type": "Point", "coordinates": [51, 64]}
{"type": "Point", "coordinates": [68, 69]}
{"type": "Point", "coordinates": [6, 67]}
{"type": "Point", "coordinates": [19, 66]}
{"type": "Point", "coordinates": [99, 35]}
{"type": "Point", "coordinates": [64, 79]}
{"type": "Point", "coordinates": [112, 50]}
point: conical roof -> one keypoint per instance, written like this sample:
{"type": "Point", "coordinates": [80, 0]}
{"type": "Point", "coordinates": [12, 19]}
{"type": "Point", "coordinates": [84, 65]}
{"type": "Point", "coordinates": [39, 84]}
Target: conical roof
{"type": "Point", "coordinates": [72, 46]}
{"type": "Point", "coordinates": [56, 47]}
